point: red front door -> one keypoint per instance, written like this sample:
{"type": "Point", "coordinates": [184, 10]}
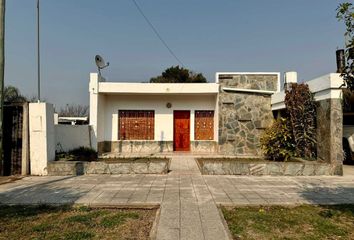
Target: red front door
{"type": "Point", "coordinates": [181, 134]}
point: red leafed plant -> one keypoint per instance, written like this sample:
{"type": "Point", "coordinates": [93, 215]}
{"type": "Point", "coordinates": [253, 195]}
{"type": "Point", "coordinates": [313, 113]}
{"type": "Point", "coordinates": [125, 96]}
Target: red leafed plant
{"type": "Point", "coordinates": [301, 108]}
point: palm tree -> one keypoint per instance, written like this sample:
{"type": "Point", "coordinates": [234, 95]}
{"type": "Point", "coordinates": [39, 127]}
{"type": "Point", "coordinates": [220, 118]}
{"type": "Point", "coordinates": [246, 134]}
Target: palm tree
{"type": "Point", "coordinates": [13, 94]}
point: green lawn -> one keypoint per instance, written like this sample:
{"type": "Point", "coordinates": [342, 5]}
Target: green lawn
{"type": "Point", "coordinates": [302, 222]}
{"type": "Point", "coordinates": [46, 222]}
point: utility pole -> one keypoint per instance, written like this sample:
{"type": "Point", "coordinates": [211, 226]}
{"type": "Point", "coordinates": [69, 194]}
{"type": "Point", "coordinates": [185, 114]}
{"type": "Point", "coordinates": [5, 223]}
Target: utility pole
{"type": "Point", "coordinates": [2, 71]}
{"type": "Point", "coordinates": [38, 57]}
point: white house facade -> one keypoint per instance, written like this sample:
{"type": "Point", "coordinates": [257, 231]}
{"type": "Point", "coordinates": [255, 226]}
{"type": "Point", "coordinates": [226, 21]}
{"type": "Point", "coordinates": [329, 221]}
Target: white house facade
{"type": "Point", "coordinates": [167, 117]}
{"type": "Point", "coordinates": [227, 117]}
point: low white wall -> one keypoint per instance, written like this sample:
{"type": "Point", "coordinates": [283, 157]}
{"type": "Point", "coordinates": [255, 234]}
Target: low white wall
{"type": "Point", "coordinates": [42, 138]}
{"type": "Point", "coordinates": [68, 137]}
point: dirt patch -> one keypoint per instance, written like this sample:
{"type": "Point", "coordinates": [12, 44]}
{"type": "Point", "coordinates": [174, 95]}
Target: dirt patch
{"type": "Point", "coordinates": [9, 179]}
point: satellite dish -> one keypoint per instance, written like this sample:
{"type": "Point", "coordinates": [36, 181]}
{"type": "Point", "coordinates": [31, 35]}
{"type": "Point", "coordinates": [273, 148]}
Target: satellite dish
{"type": "Point", "coordinates": [100, 63]}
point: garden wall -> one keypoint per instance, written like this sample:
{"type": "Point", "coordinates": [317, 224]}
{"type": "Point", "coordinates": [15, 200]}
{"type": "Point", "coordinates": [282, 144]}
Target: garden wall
{"type": "Point", "coordinates": [68, 137]}
{"type": "Point", "coordinates": [120, 166]}
{"type": "Point", "coordinates": [141, 146]}
{"type": "Point", "coordinates": [263, 168]}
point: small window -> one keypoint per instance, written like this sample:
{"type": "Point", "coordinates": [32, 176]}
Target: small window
{"type": "Point", "coordinates": [204, 125]}
{"type": "Point", "coordinates": [136, 124]}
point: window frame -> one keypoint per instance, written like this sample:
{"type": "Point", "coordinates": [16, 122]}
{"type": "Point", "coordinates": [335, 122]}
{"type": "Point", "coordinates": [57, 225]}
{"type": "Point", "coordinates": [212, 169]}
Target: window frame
{"type": "Point", "coordinates": [149, 134]}
{"type": "Point", "coordinates": [212, 134]}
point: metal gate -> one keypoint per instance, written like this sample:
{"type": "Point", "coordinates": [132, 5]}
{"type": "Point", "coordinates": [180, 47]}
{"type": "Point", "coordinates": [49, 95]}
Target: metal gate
{"type": "Point", "coordinates": [14, 134]}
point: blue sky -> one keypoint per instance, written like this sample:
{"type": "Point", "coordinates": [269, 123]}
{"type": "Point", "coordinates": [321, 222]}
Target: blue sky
{"type": "Point", "coordinates": [207, 35]}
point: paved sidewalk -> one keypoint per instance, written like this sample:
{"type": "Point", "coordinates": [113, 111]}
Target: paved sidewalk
{"type": "Point", "coordinates": [188, 200]}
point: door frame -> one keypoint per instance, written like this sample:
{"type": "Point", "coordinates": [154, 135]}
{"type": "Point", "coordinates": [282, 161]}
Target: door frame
{"type": "Point", "coordinates": [174, 129]}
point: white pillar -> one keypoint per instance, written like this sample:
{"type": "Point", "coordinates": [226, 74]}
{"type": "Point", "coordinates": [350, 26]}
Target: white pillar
{"type": "Point", "coordinates": [42, 137]}
{"type": "Point", "coordinates": [93, 89]}
{"type": "Point", "coordinates": [56, 118]}
{"type": "Point", "coordinates": [289, 78]}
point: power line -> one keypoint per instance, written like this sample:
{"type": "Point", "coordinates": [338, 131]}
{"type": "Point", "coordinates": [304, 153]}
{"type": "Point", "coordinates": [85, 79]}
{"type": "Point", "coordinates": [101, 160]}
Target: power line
{"type": "Point", "coordinates": [157, 33]}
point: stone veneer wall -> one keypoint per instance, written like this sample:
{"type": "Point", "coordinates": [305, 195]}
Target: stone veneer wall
{"type": "Point", "coordinates": [243, 116]}
{"type": "Point", "coordinates": [330, 133]}
{"type": "Point", "coordinates": [237, 167]}
{"type": "Point", "coordinates": [127, 146]}
{"type": "Point", "coordinates": [126, 166]}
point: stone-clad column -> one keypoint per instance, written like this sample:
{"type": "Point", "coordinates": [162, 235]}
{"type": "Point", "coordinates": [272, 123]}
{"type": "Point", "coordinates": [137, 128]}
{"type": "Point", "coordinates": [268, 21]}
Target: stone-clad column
{"type": "Point", "coordinates": [330, 133]}
{"type": "Point", "coordinates": [244, 111]}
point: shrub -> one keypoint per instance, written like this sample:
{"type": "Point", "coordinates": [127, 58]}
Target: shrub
{"type": "Point", "coordinates": [77, 154]}
{"type": "Point", "coordinates": [82, 151]}
{"type": "Point", "coordinates": [301, 108]}
{"type": "Point", "coordinates": [277, 141]}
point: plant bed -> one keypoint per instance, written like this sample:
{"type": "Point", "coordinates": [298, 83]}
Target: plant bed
{"type": "Point", "coordinates": [77, 154]}
{"type": "Point", "coordinates": [64, 222]}
{"type": "Point", "coordinates": [300, 222]}
{"type": "Point", "coordinates": [110, 166]}
{"type": "Point", "coordinates": [259, 167]}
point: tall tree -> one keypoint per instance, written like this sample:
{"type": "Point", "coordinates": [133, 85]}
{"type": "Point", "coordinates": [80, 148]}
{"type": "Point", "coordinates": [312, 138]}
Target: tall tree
{"type": "Point", "coordinates": [74, 110]}
{"type": "Point", "coordinates": [179, 74]}
{"type": "Point", "coordinates": [345, 13]}
{"type": "Point", "coordinates": [13, 94]}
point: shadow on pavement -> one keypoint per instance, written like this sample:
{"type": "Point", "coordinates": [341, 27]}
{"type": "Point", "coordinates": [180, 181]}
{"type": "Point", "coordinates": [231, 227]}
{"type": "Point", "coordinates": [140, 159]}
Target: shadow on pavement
{"type": "Point", "coordinates": [323, 195]}
{"type": "Point", "coordinates": [57, 191]}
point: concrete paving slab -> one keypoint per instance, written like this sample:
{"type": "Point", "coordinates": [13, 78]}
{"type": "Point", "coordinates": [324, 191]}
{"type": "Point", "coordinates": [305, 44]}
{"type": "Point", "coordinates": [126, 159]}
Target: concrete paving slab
{"type": "Point", "coordinates": [188, 200]}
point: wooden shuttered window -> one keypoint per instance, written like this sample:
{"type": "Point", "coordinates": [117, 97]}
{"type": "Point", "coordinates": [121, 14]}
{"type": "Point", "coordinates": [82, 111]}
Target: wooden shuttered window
{"type": "Point", "coordinates": [204, 125]}
{"type": "Point", "coordinates": [136, 124]}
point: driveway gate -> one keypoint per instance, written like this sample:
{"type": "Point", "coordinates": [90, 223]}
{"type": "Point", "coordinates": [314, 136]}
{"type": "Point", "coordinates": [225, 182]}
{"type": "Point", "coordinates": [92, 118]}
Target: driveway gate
{"type": "Point", "coordinates": [15, 139]}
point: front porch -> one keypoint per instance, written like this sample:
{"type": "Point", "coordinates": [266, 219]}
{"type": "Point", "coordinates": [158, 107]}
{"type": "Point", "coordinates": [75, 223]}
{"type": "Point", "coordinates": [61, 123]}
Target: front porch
{"type": "Point", "coordinates": [153, 118]}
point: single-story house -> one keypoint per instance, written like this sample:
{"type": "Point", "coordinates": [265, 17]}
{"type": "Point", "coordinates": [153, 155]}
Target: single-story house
{"type": "Point", "coordinates": [226, 116]}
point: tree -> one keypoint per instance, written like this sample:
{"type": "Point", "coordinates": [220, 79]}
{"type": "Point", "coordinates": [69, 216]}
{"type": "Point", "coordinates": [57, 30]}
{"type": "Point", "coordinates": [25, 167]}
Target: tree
{"type": "Point", "coordinates": [74, 110]}
{"type": "Point", "coordinates": [13, 94]}
{"type": "Point", "coordinates": [179, 74]}
{"type": "Point", "coordinates": [345, 13]}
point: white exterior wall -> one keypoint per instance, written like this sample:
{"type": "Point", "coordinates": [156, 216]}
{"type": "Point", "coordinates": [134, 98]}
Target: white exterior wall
{"type": "Point", "coordinates": [101, 113]}
{"type": "Point", "coordinates": [157, 88]}
{"type": "Point", "coordinates": [68, 137]}
{"type": "Point", "coordinates": [324, 87]}
{"type": "Point", "coordinates": [42, 137]}
{"type": "Point", "coordinates": [106, 98]}
{"type": "Point", "coordinates": [163, 115]}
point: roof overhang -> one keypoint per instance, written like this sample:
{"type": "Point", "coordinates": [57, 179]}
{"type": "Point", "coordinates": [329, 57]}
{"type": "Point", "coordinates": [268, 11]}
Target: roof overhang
{"type": "Point", "coordinates": [158, 88]}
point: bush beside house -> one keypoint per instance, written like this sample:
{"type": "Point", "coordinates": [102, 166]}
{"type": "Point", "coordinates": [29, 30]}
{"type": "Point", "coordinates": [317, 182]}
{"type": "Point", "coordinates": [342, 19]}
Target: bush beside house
{"type": "Point", "coordinates": [278, 142]}
{"type": "Point", "coordinates": [293, 135]}
{"type": "Point", "coordinates": [78, 154]}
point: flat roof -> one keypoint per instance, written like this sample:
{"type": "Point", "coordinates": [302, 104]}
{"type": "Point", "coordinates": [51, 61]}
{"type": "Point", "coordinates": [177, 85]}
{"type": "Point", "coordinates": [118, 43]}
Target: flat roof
{"type": "Point", "coordinates": [73, 118]}
{"type": "Point", "coordinates": [158, 88]}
